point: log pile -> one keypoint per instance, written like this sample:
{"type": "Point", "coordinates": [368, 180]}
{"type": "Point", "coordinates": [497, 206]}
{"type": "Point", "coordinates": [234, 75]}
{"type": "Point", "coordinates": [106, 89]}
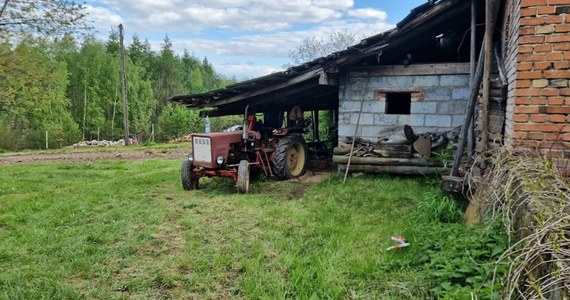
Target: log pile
{"type": "Point", "coordinates": [102, 143]}
{"type": "Point", "coordinates": [426, 153]}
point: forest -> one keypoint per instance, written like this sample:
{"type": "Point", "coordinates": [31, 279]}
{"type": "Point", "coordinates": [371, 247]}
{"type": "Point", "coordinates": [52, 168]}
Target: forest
{"type": "Point", "coordinates": [71, 88]}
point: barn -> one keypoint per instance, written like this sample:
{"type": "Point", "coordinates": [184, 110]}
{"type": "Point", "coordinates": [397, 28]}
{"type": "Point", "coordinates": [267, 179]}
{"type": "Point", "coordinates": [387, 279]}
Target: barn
{"type": "Point", "coordinates": [452, 80]}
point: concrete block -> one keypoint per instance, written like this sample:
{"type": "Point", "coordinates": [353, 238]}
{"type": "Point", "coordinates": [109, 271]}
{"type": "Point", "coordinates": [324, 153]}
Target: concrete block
{"type": "Point", "coordinates": [344, 118]}
{"type": "Point", "coordinates": [460, 94]}
{"type": "Point", "coordinates": [457, 120]}
{"type": "Point", "coordinates": [370, 95]}
{"type": "Point", "coordinates": [423, 108]}
{"type": "Point", "coordinates": [384, 119]}
{"type": "Point", "coordinates": [451, 107]}
{"type": "Point", "coordinates": [414, 120]}
{"type": "Point", "coordinates": [349, 106]}
{"type": "Point", "coordinates": [438, 121]}
{"type": "Point", "coordinates": [426, 129]}
{"type": "Point", "coordinates": [365, 118]}
{"type": "Point", "coordinates": [454, 80]}
{"type": "Point", "coordinates": [347, 130]}
{"type": "Point", "coordinates": [374, 106]}
{"type": "Point", "coordinates": [437, 94]}
{"type": "Point", "coordinates": [394, 82]}
{"type": "Point", "coordinates": [370, 132]}
{"type": "Point", "coordinates": [425, 81]}
{"type": "Point", "coordinates": [357, 83]}
{"type": "Point", "coordinates": [375, 82]}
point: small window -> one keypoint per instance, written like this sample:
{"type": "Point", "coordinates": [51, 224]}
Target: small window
{"type": "Point", "coordinates": [398, 103]}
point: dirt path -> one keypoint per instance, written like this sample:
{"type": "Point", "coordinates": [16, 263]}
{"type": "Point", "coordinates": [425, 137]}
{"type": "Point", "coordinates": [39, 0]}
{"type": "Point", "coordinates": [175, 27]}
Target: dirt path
{"type": "Point", "coordinates": [86, 156]}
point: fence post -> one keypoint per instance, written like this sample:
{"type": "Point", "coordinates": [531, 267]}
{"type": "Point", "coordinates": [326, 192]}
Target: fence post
{"type": "Point", "coordinates": [47, 144]}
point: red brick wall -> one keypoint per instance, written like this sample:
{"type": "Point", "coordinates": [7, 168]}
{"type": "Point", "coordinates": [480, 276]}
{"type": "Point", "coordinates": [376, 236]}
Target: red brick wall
{"type": "Point", "coordinates": [538, 111]}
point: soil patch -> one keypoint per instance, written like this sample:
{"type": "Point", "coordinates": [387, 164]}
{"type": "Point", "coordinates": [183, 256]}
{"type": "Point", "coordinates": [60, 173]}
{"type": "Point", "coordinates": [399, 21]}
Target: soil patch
{"type": "Point", "coordinates": [86, 156]}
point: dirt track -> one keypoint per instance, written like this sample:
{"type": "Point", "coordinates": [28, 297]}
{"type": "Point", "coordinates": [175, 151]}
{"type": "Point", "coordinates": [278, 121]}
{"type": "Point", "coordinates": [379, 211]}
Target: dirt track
{"type": "Point", "coordinates": [86, 156]}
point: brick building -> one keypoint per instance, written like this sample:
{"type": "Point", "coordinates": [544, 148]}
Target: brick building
{"type": "Point", "coordinates": [537, 49]}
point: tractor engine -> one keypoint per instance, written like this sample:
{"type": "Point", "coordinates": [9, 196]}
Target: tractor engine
{"type": "Point", "coordinates": [215, 150]}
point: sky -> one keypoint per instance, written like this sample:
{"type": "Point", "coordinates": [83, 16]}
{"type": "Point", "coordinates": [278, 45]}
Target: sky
{"type": "Point", "coordinates": [244, 38]}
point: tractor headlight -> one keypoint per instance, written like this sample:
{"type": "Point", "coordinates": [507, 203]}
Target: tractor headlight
{"type": "Point", "coordinates": [220, 160]}
{"type": "Point", "coordinates": [190, 157]}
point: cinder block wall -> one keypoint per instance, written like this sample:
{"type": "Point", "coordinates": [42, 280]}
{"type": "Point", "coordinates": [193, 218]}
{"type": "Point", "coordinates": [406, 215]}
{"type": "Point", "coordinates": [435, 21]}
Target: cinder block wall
{"type": "Point", "coordinates": [438, 103]}
{"type": "Point", "coordinates": [538, 63]}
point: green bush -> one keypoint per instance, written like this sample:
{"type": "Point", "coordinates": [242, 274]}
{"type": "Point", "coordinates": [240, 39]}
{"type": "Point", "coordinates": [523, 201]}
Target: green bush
{"type": "Point", "coordinates": [177, 120]}
{"type": "Point", "coordinates": [459, 262]}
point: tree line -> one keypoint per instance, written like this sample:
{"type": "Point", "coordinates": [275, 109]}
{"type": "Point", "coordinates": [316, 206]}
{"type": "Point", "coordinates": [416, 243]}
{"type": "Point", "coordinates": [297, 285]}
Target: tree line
{"type": "Point", "coordinates": [71, 88]}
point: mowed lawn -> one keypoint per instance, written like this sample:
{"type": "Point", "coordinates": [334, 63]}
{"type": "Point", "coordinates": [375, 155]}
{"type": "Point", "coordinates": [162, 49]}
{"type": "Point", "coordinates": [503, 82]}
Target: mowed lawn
{"type": "Point", "coordinates": [105, 230]}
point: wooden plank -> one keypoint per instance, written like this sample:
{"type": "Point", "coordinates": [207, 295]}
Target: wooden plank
{"type": "Point", "coordinates": [341, 159]}
{"type": "Point", "coordinates": [405, 170]}
{"type": "Point", "coordinates": [419, 69]}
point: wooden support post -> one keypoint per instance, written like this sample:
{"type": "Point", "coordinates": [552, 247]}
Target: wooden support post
{"type": "Point", "coordinates": [472, 101]}
{"type": "Point", "coordinates": [315, 125]}
{"type": "Point", "coordinates": [487, 73]}
{"type": "Point", "coordinates": [472, 66]}
{"type": "Point", "coordinates": [469, 115]}
{"type": "Point", "coordinates": [353, 141]}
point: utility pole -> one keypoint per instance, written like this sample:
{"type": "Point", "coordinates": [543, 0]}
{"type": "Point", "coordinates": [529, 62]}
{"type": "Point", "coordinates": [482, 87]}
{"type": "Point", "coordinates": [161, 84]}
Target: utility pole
{"type": "Point", "coordinates": [124, 88]}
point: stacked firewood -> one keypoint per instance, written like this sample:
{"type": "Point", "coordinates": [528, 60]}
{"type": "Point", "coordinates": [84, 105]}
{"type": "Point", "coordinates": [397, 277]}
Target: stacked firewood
{"type": "Point", "coordinates": [408, 154]}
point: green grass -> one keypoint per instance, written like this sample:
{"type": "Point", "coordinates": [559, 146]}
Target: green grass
{"type": "Point", "coordinates": [113, 230]}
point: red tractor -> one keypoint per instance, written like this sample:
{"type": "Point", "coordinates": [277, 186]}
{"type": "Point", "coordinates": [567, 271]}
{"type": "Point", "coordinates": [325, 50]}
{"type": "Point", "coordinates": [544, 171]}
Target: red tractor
{"type": "Point", "coordinates": [256, 148]}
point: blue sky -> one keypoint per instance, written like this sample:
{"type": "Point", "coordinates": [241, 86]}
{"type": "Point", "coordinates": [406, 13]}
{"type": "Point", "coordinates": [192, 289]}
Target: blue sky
{"type": "Point", "coordinates": [244, 38]}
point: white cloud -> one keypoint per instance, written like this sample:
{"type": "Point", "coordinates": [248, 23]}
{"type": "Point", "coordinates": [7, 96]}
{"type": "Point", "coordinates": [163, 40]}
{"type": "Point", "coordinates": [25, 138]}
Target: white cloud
{"type": "Point", "coordinates": [238, 15]}
{"type": "Point", "coordinates": [244, 71]}
{"type": "Point", "coordinates": [103, 19]}
{"type": "Point", "coordinates": [265, 29]}
{"type": "Point", "coordinates": [276, 44]}
{"type": "Point", "coordinates": [368, 13]}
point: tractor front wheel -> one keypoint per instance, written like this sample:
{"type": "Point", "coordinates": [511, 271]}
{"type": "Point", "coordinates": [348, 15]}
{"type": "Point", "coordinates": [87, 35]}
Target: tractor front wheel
{"type": "Point", "coordinates": [243, 177]}
{"type": "Point", "coordinates": [290, 157]}
{"type": "Point", "coordinates": [189, 179]}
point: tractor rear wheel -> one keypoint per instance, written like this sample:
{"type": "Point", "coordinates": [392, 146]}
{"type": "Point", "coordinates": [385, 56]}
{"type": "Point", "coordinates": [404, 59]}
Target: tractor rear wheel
{"type": "Point", "coordinates": [290, 157]}
{"type": "Point", "coordinates": [189, 179]}
{"type": "Point", "coordinates": [243, 177]}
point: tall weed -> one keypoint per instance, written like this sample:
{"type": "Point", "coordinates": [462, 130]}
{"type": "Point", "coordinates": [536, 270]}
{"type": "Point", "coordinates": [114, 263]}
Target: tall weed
{"type": "Point", "coordinates": [439, 208]}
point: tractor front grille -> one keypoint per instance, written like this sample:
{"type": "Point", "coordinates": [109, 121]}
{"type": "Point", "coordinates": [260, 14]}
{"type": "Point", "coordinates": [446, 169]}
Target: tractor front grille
{"type": "Point", "coordinates": [202, 147]}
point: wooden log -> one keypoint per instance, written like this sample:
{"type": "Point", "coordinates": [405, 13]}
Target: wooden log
{"type": "Point", "coordinates": [405, 170]}
{"type": "Point", "coordinates": [386, 147]}
{"type": "Point", "coordinates": [341, 159]}
{"type": "Point", "coordinates": [395, 154]}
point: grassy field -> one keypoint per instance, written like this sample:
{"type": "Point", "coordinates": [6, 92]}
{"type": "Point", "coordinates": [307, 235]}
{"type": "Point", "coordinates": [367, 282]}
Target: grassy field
{"type": "Point", "coordinates": [107, 230]}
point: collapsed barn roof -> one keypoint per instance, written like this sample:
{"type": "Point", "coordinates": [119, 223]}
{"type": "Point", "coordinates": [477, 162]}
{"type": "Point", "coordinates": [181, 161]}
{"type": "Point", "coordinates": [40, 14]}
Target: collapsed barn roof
{"type": "Point", "coordinates": [314, 85]}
